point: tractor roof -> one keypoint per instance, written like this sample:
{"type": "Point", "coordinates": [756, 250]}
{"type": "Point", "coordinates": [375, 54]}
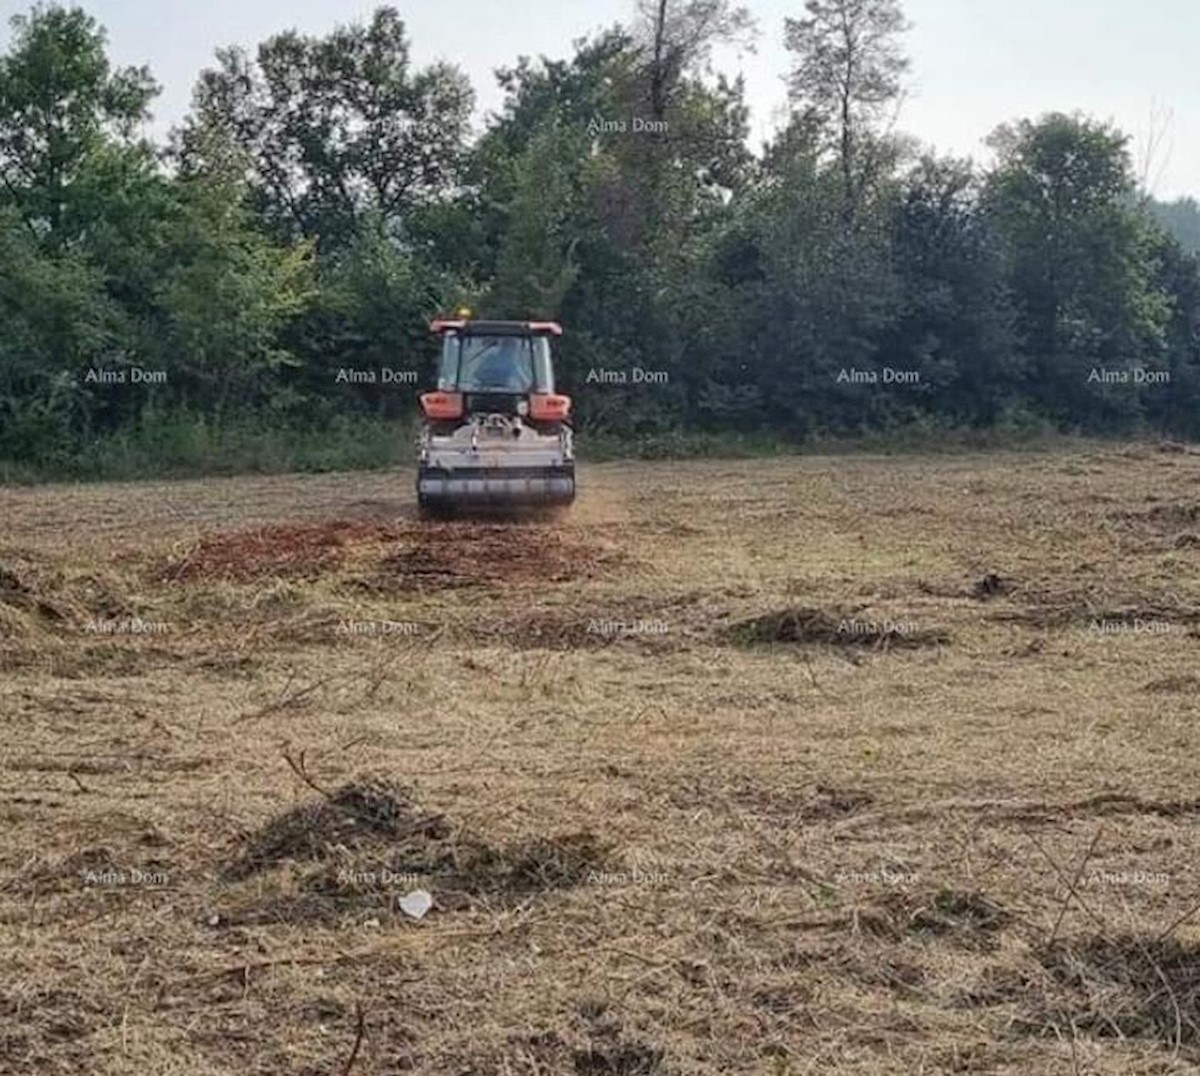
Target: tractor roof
{"type": "Point", "coordinates": [469, 327]}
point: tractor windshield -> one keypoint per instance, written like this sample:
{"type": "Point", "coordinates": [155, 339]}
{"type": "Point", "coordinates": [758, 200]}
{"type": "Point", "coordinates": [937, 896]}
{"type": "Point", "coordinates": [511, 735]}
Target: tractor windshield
{"type": "Point", "coordinates": [503, 364]}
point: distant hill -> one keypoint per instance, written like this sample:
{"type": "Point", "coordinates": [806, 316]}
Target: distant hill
{"type": "Point", "coordinates": [1182, 219]}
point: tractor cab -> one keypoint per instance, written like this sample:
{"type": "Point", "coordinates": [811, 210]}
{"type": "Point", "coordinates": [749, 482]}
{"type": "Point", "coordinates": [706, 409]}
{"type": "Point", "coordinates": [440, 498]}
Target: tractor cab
{"type": "Point", "coordinates": [495, 432]}
{"type": "Point", "coordinates": [496, 364]}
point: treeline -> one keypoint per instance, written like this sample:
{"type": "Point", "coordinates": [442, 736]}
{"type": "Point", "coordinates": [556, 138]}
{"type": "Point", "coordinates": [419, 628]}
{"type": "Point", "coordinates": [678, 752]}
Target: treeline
{"type": "Point", "coordinates": [1181, 220]}
{"type": "Point", "coordinates": [275, 264]}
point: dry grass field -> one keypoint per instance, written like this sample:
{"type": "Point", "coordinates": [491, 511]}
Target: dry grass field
{"type": "Point", "coordinates": [811, 765]}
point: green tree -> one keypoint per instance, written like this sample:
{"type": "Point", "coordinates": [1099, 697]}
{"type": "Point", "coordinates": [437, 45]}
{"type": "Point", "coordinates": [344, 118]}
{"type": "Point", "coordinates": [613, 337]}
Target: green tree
{"type": "Point", "coordinates": [817, 299]}
{"type": "Point", "coordinates": [1175, 407]}
{"type": "Point", "coordinates": [61, 103]}
{"type": "Point", "coordinates": [1181, 220]}
{"type": "Point", "coordinates": [113, 266]}
{"type": "Point", "coordinates": [69, 163]}
{"type": "Point", "coordinates": [537, 264]}
{"type": "Point", "coordinates": [336, 129]}
{"type": "Point", "coordinates": [847, 74]}
{"type": "Point", "coordinates": [675, 38]}
{"type": "Point", "coordinates": [225, 293]}
{"type": "Point", "coordinates": [956, 325]}
{"type": "Point", "coordinates": [372, 311]}
{"type": "Point", "coordinates": [1081, 262]}
{"type": "Point", "coordinates": [55, 319]}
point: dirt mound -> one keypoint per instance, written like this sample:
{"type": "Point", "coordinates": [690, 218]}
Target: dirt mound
{"type": "Point", "coordinates": [1173, 522]}
{"type": "Point", "coordinates": [835, 803]}
{"type": "Point", "coordinates": [11, 584]}
{"type": "Point", "coordinates": [27, 591]}
{"type": "Point", "coordinates": [1172, 515]}
{"type": "Point", "coordinates": [619, 1059]}
{"type": "Point", "coordinates": [1128, 987]}
{"type": "Point", "coordinates": [38, 596]}
{"type": "Point", "coordinates": [840, 628]}
{"type": "Point", "coordinates": [388, 558]}
{"type": "Point", "coordinates": [50, 1029]}
{"type": "Point", "coordinates": [366, 878]}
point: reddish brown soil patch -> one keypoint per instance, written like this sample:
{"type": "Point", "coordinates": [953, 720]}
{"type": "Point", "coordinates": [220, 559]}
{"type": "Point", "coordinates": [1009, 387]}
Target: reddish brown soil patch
{"type": "Point", "coordinates": [408, 556]}
{"type": "Point", "coordinates": [284, 551]}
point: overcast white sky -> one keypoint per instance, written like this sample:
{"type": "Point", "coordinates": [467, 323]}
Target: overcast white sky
{"type": "Point", "coordinates": [975, 63]}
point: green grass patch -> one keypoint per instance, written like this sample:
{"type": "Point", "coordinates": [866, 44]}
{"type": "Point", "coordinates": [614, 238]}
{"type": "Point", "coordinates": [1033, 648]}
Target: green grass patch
{"type": "Point", "coordinates": [194, 446]}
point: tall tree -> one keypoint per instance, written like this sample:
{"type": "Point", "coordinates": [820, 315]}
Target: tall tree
{"type": "Point", "coordinates": [61, 103]}
{"type": "Point", "coordinates": [1081, 260]}
{"type": "Point", "coordinates": [847, 72]}
{"type": "Point", "coordinates": [337, 128]}
{"type": "Point", "coordinates": [676, 37]}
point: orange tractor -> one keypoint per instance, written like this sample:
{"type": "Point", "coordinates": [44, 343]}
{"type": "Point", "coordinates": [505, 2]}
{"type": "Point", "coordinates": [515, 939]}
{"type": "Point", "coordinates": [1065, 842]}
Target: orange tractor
{"type": "Point", "coordinates": [495, 434]}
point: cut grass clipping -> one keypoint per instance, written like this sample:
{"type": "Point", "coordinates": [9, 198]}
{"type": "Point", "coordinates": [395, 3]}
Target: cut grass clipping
{"type": "Point", "coordinates": [1124, 987]}
{"type": "Point", "coordinates": [345, 852]}
{"type": "Point", "coordinates": [839, 628]}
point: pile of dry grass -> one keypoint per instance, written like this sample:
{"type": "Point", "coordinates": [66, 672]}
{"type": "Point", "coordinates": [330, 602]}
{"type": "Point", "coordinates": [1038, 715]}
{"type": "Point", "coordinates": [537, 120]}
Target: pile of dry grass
{"type": "Point", "coordinates": [1126, 987]}
{"type": "Point", "coordinates": [1072, 610]}
{"type": "Point", "coordinates": [837, 627]}
{"type": "Point", "coordinates": [354, 849]}
{"type": "Point", "coordinates": [71, 622]}
{"type": "Point", "coordinates": [601, 1048]}
{"type": "Point", "coordinates": [362, 813]}
{"type": "Point", "coordinates": [60, 597]}
{"type": "Point", "coordinates": [966, 918]}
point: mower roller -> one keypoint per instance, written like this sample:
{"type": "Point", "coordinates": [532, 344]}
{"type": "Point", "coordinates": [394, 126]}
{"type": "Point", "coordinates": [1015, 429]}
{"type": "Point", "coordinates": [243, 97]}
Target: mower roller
{"type": "Point", "coordinates": [495, 436]}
